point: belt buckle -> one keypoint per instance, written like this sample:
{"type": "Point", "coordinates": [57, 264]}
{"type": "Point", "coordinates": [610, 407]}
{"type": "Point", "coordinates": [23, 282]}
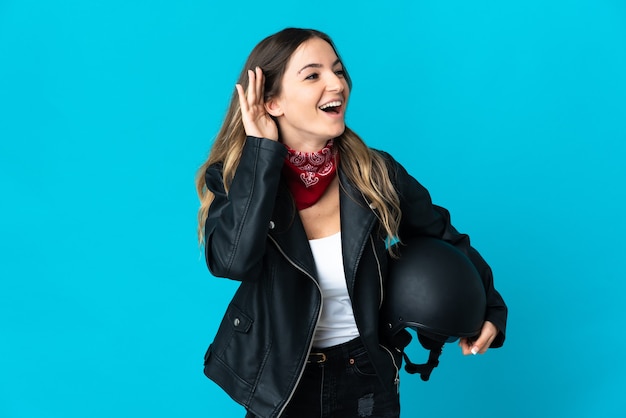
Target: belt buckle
{"type": "Point", "coordinates": [321, 359]}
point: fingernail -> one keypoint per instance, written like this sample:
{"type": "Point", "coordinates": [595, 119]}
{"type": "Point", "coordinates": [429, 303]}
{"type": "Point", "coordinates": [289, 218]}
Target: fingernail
{"type": "Point", "coordinates": [474, 350]}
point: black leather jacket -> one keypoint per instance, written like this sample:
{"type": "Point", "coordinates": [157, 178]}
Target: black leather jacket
{"type": "Point", "coordinates": [254, 235]}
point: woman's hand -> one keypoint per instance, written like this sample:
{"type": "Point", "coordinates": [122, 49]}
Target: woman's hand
{"type": "Point", "coordinates": [479, 346]}
{"type": "Point", "coordinates": [256, 121]}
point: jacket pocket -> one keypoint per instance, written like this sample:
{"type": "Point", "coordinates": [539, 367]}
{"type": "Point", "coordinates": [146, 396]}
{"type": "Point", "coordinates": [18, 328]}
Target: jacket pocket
{"type": "Point", "coordinates": [239, 346]}
{"type": "Point", "coordinates": [239, 320]}
{"type": "Point", "coordinates": [234, 322]}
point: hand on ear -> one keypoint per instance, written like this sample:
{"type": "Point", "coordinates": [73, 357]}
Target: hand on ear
{"type": "Point", "coordinates": [254, 114]}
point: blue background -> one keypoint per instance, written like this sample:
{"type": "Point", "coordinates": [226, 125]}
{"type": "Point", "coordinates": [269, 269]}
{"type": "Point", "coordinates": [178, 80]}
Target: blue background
{"type": "Point", "coordinates": [511, 113]}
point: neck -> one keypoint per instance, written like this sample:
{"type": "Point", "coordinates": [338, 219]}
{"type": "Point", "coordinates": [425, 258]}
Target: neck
{"type": "Point", "coordinates": [305, 145]}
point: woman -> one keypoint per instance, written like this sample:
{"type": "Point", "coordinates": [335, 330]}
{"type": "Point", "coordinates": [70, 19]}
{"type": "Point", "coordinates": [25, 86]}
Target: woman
{"type": "Point", "coordinates": [296, 207]}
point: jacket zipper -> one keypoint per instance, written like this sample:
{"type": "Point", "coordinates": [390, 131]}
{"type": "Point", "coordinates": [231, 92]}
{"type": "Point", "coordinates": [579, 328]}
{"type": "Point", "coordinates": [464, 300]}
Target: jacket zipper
{"type": "Point", "coordinates": [319, 314]}
{"type": "Point", "coordinates": [380, 275]}
{"type": "Point", "coordinates": [396, 380]}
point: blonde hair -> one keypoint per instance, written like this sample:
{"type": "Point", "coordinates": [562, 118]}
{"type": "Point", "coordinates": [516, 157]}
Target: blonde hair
{"type": "Point", "coordinates": [365, 168]}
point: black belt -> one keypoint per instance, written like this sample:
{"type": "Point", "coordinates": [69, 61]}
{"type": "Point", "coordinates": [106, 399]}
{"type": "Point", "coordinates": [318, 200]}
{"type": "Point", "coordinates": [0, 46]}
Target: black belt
{"type": "Point", "coordinates": [316, 358]}
{"type": "Point", "coordinates": [322, 355]}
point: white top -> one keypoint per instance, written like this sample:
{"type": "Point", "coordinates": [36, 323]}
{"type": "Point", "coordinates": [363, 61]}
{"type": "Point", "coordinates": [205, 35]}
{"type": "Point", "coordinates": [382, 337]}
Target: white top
{"type": "Point", "coordinates": [336, 324]}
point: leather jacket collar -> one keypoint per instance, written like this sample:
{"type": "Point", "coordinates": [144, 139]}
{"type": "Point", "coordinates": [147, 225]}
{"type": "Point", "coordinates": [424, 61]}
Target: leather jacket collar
{"type": "Point", "coordinates": [357, 221]}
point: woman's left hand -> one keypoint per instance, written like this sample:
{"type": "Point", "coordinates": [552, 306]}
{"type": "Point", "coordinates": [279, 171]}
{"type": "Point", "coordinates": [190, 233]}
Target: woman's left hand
{"type": "Point", "coordinates": [479, 346]}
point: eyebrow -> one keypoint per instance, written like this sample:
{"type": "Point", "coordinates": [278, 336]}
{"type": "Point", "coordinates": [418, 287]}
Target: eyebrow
{"type": "Point", "coordinates": [314, 65]}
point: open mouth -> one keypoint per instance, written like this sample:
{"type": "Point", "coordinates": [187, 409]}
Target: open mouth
{"type": "Point", "coordinates": [331, 107]}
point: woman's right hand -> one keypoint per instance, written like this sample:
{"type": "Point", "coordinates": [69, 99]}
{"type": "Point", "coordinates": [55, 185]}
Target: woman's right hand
{"type": "Point", "coordinates": [256, 121]}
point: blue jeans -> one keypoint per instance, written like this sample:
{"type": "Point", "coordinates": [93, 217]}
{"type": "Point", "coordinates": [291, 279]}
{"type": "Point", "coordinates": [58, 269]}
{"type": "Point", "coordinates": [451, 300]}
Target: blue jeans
{"type": "Point", "coordinates": [341, 383]}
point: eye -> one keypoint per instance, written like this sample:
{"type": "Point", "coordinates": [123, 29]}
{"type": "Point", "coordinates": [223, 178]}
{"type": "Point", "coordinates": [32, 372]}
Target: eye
{"type": "Point", "coordinates": [312, 76]}
{"type": "Point", "coordinates": [340, 73]}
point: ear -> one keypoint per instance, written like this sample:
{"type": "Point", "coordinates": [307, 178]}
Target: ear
{"type": "Point", "coordinates": [272, 106]}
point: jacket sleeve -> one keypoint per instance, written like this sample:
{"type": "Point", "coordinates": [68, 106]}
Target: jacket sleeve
{"type": "Point", "coordinates": [421, 217]}
{"type": "Point", "coordinates": [238, 221]}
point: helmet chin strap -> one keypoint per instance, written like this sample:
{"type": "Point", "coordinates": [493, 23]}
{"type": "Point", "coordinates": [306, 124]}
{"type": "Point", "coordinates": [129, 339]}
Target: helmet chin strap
{"type": "Point", "coordinates": [402, 339]}
{"type": "Point", "coordinates": [423, 369]}
{"type": "Point", "coordinates": [435, 348]}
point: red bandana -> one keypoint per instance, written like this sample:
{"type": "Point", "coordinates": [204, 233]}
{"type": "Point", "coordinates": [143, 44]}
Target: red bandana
{"type": "Point", "coordinates": [309, 174]}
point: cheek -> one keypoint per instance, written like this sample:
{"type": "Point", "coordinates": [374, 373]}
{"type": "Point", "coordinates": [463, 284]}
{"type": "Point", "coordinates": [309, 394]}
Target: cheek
{"type": "Point", "coordinates": [303, 100]}
{"type": "Point", "coordinates": [346, 89]}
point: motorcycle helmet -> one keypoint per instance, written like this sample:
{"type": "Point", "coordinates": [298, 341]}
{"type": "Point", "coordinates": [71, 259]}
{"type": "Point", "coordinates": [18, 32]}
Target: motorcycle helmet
{"type": "Point", "coordinates": [434, 289]}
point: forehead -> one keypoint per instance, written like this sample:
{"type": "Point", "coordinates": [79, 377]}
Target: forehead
{"type": "Point", "coordinates": [312, 51]}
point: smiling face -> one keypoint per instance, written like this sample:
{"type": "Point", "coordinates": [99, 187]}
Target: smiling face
{"type": "Point", "coordinates": [310, 108]}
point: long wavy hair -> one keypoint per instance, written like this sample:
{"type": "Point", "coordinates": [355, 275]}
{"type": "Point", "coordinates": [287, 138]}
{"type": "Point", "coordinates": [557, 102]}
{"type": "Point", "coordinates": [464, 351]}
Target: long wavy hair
{"type": "Point", "coordinates": [365, 168]}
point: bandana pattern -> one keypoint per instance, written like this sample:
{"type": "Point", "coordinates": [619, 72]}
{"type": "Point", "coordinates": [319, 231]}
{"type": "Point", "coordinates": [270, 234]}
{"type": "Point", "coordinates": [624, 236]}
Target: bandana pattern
{"type": "Point", "coordinates": [309, 174]}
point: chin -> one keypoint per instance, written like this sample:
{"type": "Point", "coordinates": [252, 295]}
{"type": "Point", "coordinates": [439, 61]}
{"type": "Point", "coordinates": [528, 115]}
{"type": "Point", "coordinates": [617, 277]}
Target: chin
{"type": "Point", "coordinates": [339, 131]}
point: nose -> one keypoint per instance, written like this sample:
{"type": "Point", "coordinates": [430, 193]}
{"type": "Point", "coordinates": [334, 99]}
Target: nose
{"type": "Point", "coordinates": [335, 83]}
